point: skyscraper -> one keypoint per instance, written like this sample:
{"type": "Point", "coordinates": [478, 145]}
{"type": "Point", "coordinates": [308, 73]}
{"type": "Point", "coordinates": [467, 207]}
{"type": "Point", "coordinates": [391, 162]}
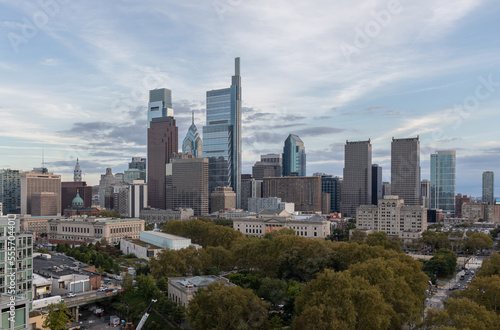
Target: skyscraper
{"type": "Point", "coordinates": [222, 135]}
{"type": "Point", "coordinates": [10, 191]}
{"type": "Point", "coordinates": [331, 185]}
{"type": "Point", "coordinates": [405, 170]}
{"type": "Point", "coordinates": [357, 183]}
{"type": "Point", "coordinates": [160, 104]}
{"type": "Point", "coordinates": [162, 144]}
{"type": "Point", "coordinates": [376, 183]}
{"type": "Point", "coordinates": [488, 188]}
{"type": "Point", "coordinates": [294, 156]}
{"type": "Point", "coordinates": [192, 142]}
{"type": "Point", "coordinates": [443, 181]}
{"type": "Point", "coordinates": [425, 193]}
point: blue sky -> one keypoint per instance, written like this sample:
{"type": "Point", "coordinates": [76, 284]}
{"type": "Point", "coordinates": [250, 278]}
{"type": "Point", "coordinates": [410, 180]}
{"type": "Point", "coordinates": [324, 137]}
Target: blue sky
{"type": "Point", "coordinates": [75, 77]}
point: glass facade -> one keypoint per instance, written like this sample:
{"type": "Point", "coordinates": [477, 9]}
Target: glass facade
{"type": "Point", "coordinates": [443, 181]}
{"type": "Point", "coordinates": [10, 191]}
{"type": "Point", "coordinates": [294, 156]}
{"type": "Point", "coordinates": [222, 136]}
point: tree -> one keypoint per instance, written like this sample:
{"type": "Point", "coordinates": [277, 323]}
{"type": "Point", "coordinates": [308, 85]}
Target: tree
{"type": "Point", "coordinates": [221, 257]}
{"type": "Point", "coordinates": [219, 306]}
{"type": "Point", "coordinates": [490, 266]}
{"type": "Point", "coordinates": [358, 236]}
{"type": "Point", "coordinates": [435, 240]}
{"type": "Point", "coordinates": [336, 300]}
{"type": "Point", "coordinates": [478, 242]}
{"type": "Point", "coordinates": [58, 317]}
{"type": "Point", "coordinates": [485, 291]}
{"type": "Point", "coordinates": [380, 238]}
{"type": "Point", "coordinates": [273, 290]}
{"type": "Point", "coordinates": [127, 282]}
{"type": "Point", "coordinates": [462, 314]}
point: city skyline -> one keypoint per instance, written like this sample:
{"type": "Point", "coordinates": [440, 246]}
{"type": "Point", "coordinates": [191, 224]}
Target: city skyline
{"type": "Point", "coordinates": [78, 88]}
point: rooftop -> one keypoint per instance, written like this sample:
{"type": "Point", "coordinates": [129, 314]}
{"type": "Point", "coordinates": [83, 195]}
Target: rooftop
{"type": "Point", "coordinates": [164, 235]}
{"type": "Point", "coordinates": [143, 244]}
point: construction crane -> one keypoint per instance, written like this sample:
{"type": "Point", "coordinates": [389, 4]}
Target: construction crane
{"type": "Point", "coordinates": [145, 316]}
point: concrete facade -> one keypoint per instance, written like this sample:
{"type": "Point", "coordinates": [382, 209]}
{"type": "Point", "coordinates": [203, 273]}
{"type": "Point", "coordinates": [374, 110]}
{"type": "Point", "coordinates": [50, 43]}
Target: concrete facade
{"type": "Point", "coordinates": [222, 198]}
{"type": "Point", "coordinates": [304, 192]}
{"type": "Point", "coordinates": [392, 216]}
{"type": "Point", "coordinates": [405, 169]}
{"type": "Point", "coordinates": [182, 289]}
{"type": "Point", "coordinates": [39, 180]}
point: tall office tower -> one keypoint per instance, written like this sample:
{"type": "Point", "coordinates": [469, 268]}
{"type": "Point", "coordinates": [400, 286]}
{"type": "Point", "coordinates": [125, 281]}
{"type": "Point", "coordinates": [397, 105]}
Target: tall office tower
{"type": "Point", "coordinates": [250, 188]}
{"type": "Point", "coordinates": [331, 185]}
{"type": "Point", "coordinates": [162, 144]}
{"type": "Point", "coordinates": [77, 173]}
{"type": "Point", "coordinates": [106, 189]}
{"type": "Point", "coordinates": [357, 184]}
{"type": "Point", "coordinates": [136, 170]}
{"type": "Point", "coordinates": [10, 191]}
{"type": "Point", "coordinates": [443, 181]}
{"type": "Point", "coordinates": [18, 279]}
{"type": "Point", "coordinates": [460, 200]}
{"type": "Point", "coordinates": [488, 188]}
{"type": "Point", "coordinates": [405, 169]}
{"type": "Point", "coordinates": [222, 135]}
{"type": "Point", "coordinates": [270, 166]}
{"type": "Point", "coordinates": [425, 193]}
{"type": "Point", "coordinates": [386, 189]}
{"type": "Point", "coordinates": [160, 104]}
{"type": "Point", "coordinates": [376, 183]}
{"type": "Point", "coordinates": [187, 183]}
{"type": "Point", "coordinates": [39, 180]}
{"type": "Point", "coordinates": [192, 142]}
{"type": "Point", "coordinates": [294, 156]}
{"type": "Point", "coordinates": [304, 191]}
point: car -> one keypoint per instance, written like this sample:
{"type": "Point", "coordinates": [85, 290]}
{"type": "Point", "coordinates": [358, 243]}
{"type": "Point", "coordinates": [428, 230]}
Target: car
{"type": "Point", "coordinates": [101, 289]}
{"type": "Point", "coordinates": [71, 295]}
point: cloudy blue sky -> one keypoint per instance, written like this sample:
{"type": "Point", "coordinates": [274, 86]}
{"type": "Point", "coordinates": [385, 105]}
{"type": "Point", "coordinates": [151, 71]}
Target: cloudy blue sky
{"type": "Point", "coordinates": [74, 78]}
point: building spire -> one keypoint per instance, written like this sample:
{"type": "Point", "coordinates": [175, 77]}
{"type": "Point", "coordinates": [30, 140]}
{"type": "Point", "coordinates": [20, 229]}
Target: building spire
{"type": "Point", "coordinates": [77, 174]}
{"type": "Point", "coordinates": [192, 117]}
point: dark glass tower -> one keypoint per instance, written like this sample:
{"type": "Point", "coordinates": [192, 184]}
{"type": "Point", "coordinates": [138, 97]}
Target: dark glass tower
{"type": "Point", "coordinates": [376, 183]}
{"type": "Point", "coordinates": [222, 135]}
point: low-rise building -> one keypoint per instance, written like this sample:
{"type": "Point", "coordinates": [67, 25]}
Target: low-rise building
{"type": "Point", "coordinates": [393, 217]}
{"type": "Point", "coordinates": [37, 225]}
{"type": "Point", "coordinates": [182, 289]}
{"type": "Point", "coordinates": [89, 229]}
{"type": "Point", "coordinates": [269, 203]}
{"type": "Point", "coordinates": [311, 227]}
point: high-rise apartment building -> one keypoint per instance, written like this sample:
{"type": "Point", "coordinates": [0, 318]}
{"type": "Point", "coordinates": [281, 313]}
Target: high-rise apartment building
{"type": "Point", "coordinates": [303, 191]}
{"type": "Point", "coordinates": [269, 166]}
{"type": "Point", "coordinates": [443, 181]}
{"type": "Point", "coordinates": [425, 193]}
{"type": "Point", "coordinates": [376, 183]}
{"type": "Point", "coordinates": [294, 156]}
{"type": "Point", "coordinates": [10, 191]}
{"type": "Point", "coordinates": [222, 135]}
{"type": "Point", "coordinates": [357, 181]}
{"type": "Point", "coordinates": [162, 144]}
{"type": "Point", "coordinates": [37, 181]}
{"type": "Point", "coordinates": [187, 183]}
{"type": "Point", "coordinates": [17, 278]}
{"type": "Point", "coordinates": [405, 169]}
{"type": "Point", "coordinates": [192, 142]}
{"type": "Point", "coordinates": [488, 188]}
{"type": "Point", "coordinates": [160, 104]}
{"type": "Point", "coordinates": [330, 185]}
{"type": "Point", "coordinates": [392, 216]}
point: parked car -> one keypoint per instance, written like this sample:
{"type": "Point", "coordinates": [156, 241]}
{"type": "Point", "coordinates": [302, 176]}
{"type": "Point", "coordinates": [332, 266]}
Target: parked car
{"type": "Point", "coordinates": [101, 289]}
{"type": "Point", "coordinates": [71, 295]}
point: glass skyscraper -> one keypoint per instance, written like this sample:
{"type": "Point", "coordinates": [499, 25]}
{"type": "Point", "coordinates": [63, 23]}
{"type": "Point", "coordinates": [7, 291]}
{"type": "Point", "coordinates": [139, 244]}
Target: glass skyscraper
{"type": "Point", "coordinates": [192, 142]}
{"type": "Point", "coordinates": [294, 156]}
{"type": "Point", "coordinates": [443, 181]}
{"type": "Point", "coordinates": [222, 136]}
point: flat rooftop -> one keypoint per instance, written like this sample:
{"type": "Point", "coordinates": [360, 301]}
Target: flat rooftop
{"type": "Point", "coordinates": [164, 235]}
{"type": "Point", "coordinates": [143, 244]}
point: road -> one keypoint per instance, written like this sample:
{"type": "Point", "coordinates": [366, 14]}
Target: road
{"type": "Point", "coordinates": [443, 292]}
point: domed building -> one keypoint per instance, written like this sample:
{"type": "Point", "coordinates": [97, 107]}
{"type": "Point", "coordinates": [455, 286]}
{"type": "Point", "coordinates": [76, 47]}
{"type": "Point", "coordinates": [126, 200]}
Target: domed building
{"type": "Point", "coordinates": [78, 207]}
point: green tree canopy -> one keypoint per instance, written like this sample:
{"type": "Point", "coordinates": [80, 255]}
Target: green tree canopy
{"type": "Point", "coordinates": [490, 266]}
{"type": "Point", "coordinates": [58, 317]}
{"type": "Point", "coordinates": [223, 307]}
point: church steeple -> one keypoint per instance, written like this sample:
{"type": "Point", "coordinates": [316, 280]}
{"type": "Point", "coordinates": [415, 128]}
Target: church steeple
{"type": "Point", "coordinates": [77, 174]}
